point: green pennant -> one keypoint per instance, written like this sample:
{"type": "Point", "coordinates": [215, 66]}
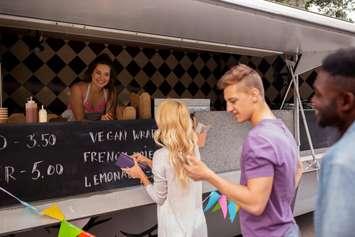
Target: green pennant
{"type": "Point", "coordinates": [68, 230]}
{"type": "Point", "coordinates": [216, 208]}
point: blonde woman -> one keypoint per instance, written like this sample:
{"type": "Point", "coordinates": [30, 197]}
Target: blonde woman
{"type": "Point", "coordinates": [179, 198]}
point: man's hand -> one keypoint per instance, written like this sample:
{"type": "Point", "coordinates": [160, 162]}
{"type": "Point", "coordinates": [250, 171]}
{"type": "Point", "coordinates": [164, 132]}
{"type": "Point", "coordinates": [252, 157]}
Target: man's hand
{"type": "Point", "coordinates": [197, 170]}
{"type": "Point", "coordinates": [299, 172]}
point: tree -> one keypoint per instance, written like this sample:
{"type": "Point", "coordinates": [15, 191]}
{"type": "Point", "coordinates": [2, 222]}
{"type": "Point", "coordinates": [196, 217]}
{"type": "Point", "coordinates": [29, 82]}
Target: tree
{"type": "Point", "coordinates": [335, 8]}
{"type": "Point", "coordinates": [340, 9]}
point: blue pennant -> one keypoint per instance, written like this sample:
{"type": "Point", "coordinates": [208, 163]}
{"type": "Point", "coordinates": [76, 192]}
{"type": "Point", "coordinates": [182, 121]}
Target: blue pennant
{"type": "Point", "coordinates": [232, 210]}
{"type": "Point", "coordinates": [214, 197]}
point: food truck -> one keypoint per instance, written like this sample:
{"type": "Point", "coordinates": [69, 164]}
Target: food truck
{"type": "Point", "coordinates": [168, 49]}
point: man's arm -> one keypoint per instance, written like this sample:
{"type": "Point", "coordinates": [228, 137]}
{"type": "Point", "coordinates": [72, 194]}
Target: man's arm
{"type": "Point", "coordinates": [252, 198]}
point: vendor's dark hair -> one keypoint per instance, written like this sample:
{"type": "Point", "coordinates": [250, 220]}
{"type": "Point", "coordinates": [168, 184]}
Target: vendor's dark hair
{"type": "Point", "coordinates": [112, 91]}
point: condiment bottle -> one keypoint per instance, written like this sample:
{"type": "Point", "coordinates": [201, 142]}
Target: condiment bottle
{"type": "Point", "coordinates": [42, 115]}
{"type": "Point", "coordinates": [31, 111]}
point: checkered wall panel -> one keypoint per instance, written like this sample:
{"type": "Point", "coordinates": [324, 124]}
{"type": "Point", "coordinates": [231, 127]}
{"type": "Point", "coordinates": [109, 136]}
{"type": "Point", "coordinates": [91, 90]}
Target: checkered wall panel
{"type": "Point", "coordinates": [46, 70]}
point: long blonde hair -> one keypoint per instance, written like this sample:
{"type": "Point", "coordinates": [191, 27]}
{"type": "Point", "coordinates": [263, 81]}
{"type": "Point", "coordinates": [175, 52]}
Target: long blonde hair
{"type": "Point", "coordinates": [175, 132]}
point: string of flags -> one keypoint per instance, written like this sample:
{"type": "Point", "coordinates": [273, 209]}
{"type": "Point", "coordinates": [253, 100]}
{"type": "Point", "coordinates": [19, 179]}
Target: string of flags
{"type": "Point", "coordinates": [53, 211]}
{"type": "Point", "coordinates": [217, 201]}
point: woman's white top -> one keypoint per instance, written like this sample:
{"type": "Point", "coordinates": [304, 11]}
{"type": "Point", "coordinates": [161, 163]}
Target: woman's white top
{"type": "Point", "coordinates": [180, 212]}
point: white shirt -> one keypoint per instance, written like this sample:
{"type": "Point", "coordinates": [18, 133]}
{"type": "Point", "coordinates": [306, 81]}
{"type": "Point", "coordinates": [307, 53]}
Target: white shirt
{"type": "Point", "coordinates": [180, 212]}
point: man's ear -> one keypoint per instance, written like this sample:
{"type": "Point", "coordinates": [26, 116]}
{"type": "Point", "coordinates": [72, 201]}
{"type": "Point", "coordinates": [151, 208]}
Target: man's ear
{"type": "Point", "coordinates": [255, 93]}
{"type": "Point", "coordinates": [346, 102]}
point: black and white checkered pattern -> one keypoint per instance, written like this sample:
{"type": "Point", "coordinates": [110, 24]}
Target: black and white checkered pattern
{"type": "Point", "coordinates": [47, 73]}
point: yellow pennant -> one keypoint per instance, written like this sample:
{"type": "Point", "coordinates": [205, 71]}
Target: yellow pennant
{"type": "Point", "coordinates": [54, 212]}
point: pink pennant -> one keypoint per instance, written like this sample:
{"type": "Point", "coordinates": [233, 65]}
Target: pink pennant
{"type": "Point", "coordinates": [223, 203]}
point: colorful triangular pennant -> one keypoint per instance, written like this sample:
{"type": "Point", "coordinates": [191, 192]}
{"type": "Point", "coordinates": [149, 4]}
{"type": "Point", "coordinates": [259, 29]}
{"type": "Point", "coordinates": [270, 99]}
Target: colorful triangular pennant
{"type": "Point", "coordinates": [85, 234]}
{"type": "Point", "coordinates": [232, 210]}
{"type": "Point", "coordinates": [218, 201]}
{"type": "Point", "coordinates": [223, 202]}
{"type": "Point", "coordinates": [213, 198]}
{"type": "Point", "coordinates": [216, 208]}
{"type": "Point", "coordinates": [54, 212]}
{"type": "Point", "coordinates": [68, 230]}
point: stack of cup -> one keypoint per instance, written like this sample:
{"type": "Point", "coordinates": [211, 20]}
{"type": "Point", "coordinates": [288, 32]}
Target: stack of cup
{"type": "Point", "coordinates": [3, 115]}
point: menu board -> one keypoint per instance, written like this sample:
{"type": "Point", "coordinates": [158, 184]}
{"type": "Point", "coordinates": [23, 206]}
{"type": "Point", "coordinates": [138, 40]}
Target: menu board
{"type": "Point", "coordinates": [51, 160]}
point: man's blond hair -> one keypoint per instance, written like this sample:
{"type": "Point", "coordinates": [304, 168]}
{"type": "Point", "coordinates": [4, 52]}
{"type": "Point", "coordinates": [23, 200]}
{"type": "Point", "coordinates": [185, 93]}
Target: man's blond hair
{"type": "Point", "coordinates": [242, 73]}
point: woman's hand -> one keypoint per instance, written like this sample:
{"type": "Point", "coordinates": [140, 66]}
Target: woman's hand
{"type": "Point", "coordinates": [142, 159]}
{"type": "Point", "coordinates": [135, 171]}
{"type": "Point", "coordinates": [107, 116]}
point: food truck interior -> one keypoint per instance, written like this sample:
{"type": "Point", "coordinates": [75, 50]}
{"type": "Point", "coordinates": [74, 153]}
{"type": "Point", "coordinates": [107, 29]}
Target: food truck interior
{"type": "Point", "coordinates": [44, 50]}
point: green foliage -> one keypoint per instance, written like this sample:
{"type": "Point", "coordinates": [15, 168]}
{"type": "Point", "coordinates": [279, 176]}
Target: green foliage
{"type": "Point", "coordinates": [340, 9]}
{"type": "Point", "coordinates": [335, 8]}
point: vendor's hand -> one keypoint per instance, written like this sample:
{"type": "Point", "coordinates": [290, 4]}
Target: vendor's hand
{"type": "Point", "coordinates": [107, 116]}
{"type": "Point", "coordinates": [135, 171]}
{"type": "Point", "coordinates": [196, 169]}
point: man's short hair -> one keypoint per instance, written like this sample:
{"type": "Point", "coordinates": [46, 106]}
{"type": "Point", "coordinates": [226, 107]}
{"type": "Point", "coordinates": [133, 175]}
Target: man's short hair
{"type": "Point", "coordinates": [242, 73]}
{"type": "Point", "coordinates": [341, 66]}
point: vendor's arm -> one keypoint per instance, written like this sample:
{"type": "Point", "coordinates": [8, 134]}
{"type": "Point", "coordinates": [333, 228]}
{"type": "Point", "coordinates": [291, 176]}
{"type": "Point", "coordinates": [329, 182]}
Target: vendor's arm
{"type": "Point", "coordinates": [76, 101]}
{"type": "Point", "coordinates": [252, 198]}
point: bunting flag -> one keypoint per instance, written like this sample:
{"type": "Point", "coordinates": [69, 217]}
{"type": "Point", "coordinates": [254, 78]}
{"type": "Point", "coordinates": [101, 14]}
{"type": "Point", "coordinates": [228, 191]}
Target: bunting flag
{"type": "Point", "coordinates": [216, 208]}
{"type": "Point", "coordinates": [223, 202]}
{"type": "Point", "coordinates": [218, 201]}
{"type": "Point", "coordinates": [232, 211]}
{"type": "Point", "coordinates": [212, 200]}
{"type": "Point", "coordinates": [68, 230]}
{"type": "Point", "coordinates": [27, 205]}
{"type": "Point", "coordinates": [54, 212]}
{"type": "Point", "coordinates": [85, 234]}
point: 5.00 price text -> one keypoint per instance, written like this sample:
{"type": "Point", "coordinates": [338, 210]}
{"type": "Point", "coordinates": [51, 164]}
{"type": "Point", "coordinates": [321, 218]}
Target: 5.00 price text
{"type": "Point", "coordinates": [38, 171]}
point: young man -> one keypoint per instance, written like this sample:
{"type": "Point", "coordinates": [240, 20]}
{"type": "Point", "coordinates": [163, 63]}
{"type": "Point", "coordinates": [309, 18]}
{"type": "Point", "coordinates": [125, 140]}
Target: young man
{"type": "Point", "coordinates": [268, 160]}
{"type": "Point", "coordinates": [334, 102]}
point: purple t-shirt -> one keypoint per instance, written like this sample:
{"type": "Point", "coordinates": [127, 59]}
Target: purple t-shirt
{"type": "Point", "coordinates": [270, 150]}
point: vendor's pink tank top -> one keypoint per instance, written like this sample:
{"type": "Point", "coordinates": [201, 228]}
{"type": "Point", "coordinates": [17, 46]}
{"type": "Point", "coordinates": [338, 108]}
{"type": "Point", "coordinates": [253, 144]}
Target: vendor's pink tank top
{"type": "Point", "coordinates": [89, 108]}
